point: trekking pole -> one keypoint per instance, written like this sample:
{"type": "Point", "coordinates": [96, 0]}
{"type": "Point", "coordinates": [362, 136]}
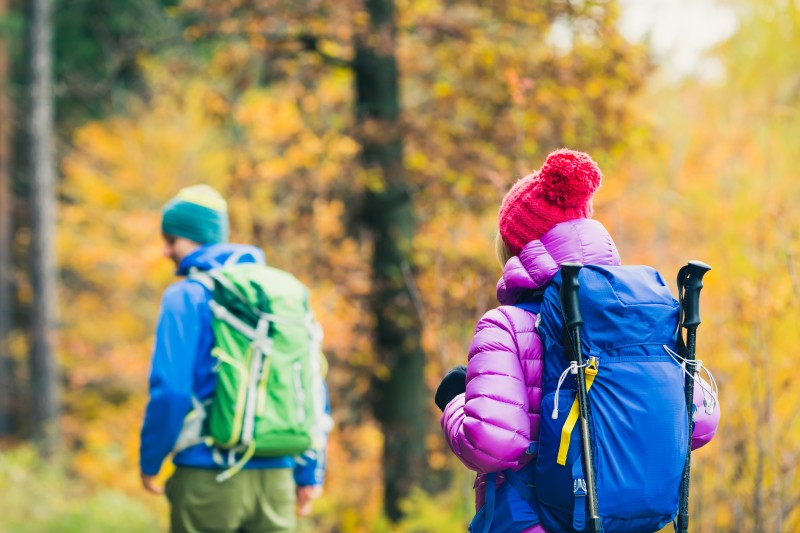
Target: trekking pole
{"type": "Point", "coordinates": [690, 282]}
{"type": "Point", "coordinates": [573, 322]}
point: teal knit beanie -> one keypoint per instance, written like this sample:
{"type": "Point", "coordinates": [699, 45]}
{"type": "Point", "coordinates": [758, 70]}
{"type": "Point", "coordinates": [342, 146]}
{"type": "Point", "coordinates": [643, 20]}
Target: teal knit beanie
{"type": "Point", "coordinates": [198, 213]}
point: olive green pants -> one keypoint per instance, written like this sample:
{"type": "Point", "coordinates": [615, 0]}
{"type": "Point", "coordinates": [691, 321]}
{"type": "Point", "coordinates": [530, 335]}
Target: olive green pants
{"type": "Point", "coordinates": [250, 501]}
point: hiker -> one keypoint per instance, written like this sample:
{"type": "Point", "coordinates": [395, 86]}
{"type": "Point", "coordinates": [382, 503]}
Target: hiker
{"type": "Point", "coordinates": [269, 492]}
{"type": "Point", "coordinates": [492, 408]}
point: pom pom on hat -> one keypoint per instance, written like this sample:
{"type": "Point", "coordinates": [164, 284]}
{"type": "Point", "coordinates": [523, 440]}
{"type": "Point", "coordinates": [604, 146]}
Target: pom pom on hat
{"type": "Point", "coordinates": [561, 190]}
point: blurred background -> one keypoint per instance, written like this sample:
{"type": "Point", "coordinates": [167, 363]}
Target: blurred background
{"type": "Point", "coordinates": [365, 146]}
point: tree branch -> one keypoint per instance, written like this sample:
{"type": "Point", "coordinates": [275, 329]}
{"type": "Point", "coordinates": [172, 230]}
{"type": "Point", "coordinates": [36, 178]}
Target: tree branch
{"type": "Point", "coordinates": [311, 44]}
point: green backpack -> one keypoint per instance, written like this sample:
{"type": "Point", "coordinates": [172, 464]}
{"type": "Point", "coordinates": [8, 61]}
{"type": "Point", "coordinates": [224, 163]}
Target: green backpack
{"type": "Point", "coordinates": [269, 399]}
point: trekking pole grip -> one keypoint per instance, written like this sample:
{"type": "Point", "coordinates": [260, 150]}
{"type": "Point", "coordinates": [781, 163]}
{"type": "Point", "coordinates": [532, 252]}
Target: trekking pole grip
{"type": "Point", "coordinates": [569, 294]}
{"type": "Point", "coordinates": [695, 270]}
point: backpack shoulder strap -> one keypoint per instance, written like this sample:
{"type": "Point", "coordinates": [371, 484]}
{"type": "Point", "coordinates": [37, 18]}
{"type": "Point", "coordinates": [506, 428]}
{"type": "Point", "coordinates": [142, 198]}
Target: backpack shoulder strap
{"type": "Point", "coordinates": [489, 499]}
{"type": "Point", "coordinates": [522, 488]}
{"type": "Point", "coordinates": [531, 300]}
{"type": "Point", "coordinates": [202, 277]}
{"type": "Point", "coordinates": [531, 307]}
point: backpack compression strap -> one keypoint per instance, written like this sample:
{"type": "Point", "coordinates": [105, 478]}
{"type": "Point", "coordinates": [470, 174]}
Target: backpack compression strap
{"type": "Point", "coordinates": [515, 480]}
{"type": "Point", "coordinates": [192, 430]}
{"type": "Point", "coordinates": [491, 492]}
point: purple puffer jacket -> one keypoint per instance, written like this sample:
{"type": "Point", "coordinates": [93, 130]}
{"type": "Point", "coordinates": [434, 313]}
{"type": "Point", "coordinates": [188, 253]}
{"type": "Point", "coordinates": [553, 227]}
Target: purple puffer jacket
{"type": "Point", "coordinates": [491, 425]}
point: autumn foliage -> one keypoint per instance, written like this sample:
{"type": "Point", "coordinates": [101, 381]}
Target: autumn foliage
{"type": "Point", "coordinates": [257, 100]}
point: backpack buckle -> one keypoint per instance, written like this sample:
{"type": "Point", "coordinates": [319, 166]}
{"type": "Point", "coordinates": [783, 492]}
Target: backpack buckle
{"type": "Point", "coordinates": [592, 366]}
{"type": "Point", "coordinates": [579, 509]}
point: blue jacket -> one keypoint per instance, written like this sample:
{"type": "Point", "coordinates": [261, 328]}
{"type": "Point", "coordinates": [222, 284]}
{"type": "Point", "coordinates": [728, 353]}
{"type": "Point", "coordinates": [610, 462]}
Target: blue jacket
{"type": "Point", "coordinates": [182, 367]}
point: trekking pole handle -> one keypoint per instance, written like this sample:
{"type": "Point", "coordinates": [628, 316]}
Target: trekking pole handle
{"type": "Point", "coordinates": [569, 294]}
{"type": "Point", "coordinates": [693, 283]}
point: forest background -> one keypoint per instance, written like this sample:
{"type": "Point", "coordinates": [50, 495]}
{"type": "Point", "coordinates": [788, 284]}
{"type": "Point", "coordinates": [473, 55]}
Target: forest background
{"type": "Point", "coordinates": [366, 147]}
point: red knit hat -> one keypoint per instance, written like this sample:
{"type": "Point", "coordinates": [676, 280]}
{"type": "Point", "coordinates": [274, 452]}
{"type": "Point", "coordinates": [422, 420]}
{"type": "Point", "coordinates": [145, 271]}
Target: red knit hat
{"type": "Point", "coordinates": [559, 191]}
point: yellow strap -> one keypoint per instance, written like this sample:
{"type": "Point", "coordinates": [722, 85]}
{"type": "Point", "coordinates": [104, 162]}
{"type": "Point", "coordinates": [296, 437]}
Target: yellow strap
{"type": "Point", "coordinates": [572, 418]}
{"type": "Point", "coordinates": [235, 469]}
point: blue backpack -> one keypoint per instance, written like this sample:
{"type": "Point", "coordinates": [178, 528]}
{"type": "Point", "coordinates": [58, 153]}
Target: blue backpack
{"type": "Point", "coordinates": [638, 420]}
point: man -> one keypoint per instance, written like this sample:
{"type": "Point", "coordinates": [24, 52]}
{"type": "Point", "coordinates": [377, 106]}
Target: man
{"type": "Point", "coordinates": [268, 493]}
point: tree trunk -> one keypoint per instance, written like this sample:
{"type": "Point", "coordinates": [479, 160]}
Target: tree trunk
{"type": "Point", "coordinates": [6, 217]}
{"type": "Point", "coordinates": [400, 395]}
{"type": "Point", "coordinates": [44, 373]}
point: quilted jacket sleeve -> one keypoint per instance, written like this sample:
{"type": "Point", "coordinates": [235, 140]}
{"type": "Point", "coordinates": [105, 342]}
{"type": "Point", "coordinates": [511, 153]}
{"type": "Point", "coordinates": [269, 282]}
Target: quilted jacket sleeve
{"type": "Point", "coordinates": [489, 427]}
{"type": "Point", "coordinates": [706, 421]}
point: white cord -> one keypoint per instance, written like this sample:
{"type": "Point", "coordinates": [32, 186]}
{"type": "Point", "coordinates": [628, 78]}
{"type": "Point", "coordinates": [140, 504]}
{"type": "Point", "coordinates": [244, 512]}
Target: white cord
{"type": "Point", "coordinates": [710, 389]}
{"type": "Point", "coordinates": [572, 369]}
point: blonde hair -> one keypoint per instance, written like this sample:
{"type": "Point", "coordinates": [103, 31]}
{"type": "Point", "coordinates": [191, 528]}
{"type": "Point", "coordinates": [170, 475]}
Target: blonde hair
{"type": "Point", "coordinates": [502, 251]}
